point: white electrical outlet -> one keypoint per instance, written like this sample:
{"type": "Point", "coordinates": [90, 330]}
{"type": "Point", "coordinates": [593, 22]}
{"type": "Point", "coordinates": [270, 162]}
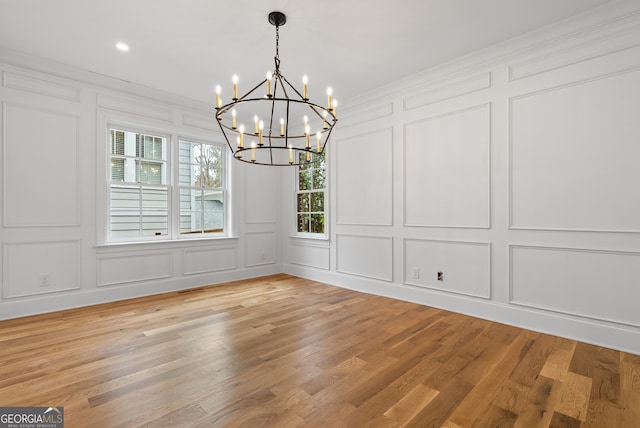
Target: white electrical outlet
{"type": "Point", "coordinates": [45, 279]}
{"type": "Point", "coordinates": [416, 273]}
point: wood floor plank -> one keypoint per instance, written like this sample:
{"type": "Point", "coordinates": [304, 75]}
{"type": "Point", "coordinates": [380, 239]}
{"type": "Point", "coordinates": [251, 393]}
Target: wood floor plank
{"type": "Point", "coordinates": [281, 351]}
{"type": "Point", "coordinates": [410, 405]}
{"type": "Point", "coordinates": [574, 396]}
{"type": "Point", "coordinates": [537, 406]}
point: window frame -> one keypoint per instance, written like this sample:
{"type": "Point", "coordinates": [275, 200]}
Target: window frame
{"type": "Point", "coordinates": [223, 189]}
{"type": "Point", "coordinates": [173, 135]}
{"type": "Point", "coordinates": [312, 235]}
{"type": "Point", "coordinates": [137, 184]}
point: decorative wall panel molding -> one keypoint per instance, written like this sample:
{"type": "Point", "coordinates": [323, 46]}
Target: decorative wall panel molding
{"type": "Point", "coordinates": [573, 156]}
{"type": "Point", "coordinates": [36, 175]}
{"type": "Point", "coordinates": [207, 260]}
{"type": "Point", "coordinates": [136, 107]}
{"type": "Point", "coordinates": [134, 267]}
{"type": "Point", "coordinates": [260, 203]}
{"type": "Point", "coordinates": [200, 121]}
{"type": "Point", "coordinates": [447, 169]}
{"type": "Point", "coordinates": [260, 248]}
{"type": "Point", "coordinates": [598, 41]}
{"type": "Point", "coordinates": [365, 113]}
{"type": "Point", "coordinates": [447, 91]}
{"type": "Point", "coordinates": [597, 284]}
{"type": "Point", "coordinates": [39, 86]}
{"type": "Point", "coordinates": [33, 268]}
{"type": "Point", "coordinates": [316, 256]}
{"type": "Point", "coordinates": [450, 266]}
{"type": "Point", "coordinates": [364, 172]}
{"type": "Point", "coordinates": [368, 256]}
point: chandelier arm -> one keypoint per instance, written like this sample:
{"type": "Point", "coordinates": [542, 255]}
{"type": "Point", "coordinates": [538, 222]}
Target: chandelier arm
{"type": "Point", "coordinates": [326, 140]}
{"type": "Point", "coordinates": [315, 107]}
{"type": "Point", "coordinates": [294, 149]}
{"type": "Point", "coordinates": [251, 91]}
{"type": "Point", "coordinates": [279, 78]}
{"type": "Point", "coordinates": [292, 87]}
{"type": "Point", "coordinates": [225, 136]}
{"type": "Point", "coordinates": [273, 106]}
{"type": "Point", "coordinates": [286, 129]}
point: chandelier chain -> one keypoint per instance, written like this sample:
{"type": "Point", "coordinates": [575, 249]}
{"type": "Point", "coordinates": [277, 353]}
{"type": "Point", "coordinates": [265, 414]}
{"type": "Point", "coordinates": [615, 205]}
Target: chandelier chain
{"type": "Point", "coordinates": [277, 58]}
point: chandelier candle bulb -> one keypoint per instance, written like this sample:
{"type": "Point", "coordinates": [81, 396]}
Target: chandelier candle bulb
{"type": "Point", "coordinates": [235, 86]}
{"type": "Point", "coordinates": [253, 152]}
{"type": "Point", "coordinates": [307, 130]}
{"type": "Point", "coordinates": [329, 92]}
{"type": "Point", "coordinates": [290, 155]}
{"type": "Point", "coordinates": [282, 126]}
{"type": "Point", "coordinates": [305, 81]}
{"type": "Point", "coordinates": [233, 119]}
{"type": "Point", "coordinates": [218, 99]}
{"type": "Point", "coordinates": [325, 125]}
{"type": "Point", "coordinates": [260, 128]}
{"type": "Point", "coordinates": [335, 108]}
{"type": "Point", "coordinates": [319, 137]}
{"type": "Point", "coordinates": [255, 120]}
{"type": "Point", "coordinates": [269, 84]}
{"type": "Point", "coordinates": [241, 137]}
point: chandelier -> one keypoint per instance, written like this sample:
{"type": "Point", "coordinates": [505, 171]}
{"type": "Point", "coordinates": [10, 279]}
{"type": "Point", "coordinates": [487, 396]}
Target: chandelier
{"type": "Point", "coordinates": [273, 123]}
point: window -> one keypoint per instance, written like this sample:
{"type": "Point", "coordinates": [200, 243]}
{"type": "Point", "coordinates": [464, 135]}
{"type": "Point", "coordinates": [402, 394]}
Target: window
{"type": "Point", "coordinates": [201, 188]}
{"type": "Point", "coordinates": [310, 196]}
{"type": "Point", "coordinates": [147, 202]}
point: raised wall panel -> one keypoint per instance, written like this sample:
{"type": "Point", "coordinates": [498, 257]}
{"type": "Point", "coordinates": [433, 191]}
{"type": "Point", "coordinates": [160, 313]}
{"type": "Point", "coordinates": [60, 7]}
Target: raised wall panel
{"type": "Point", "coordinates": [134, 267]}
{"type": "Point", "coordinates": [574, 156]}
{"type": "Point", "coordinates": [208, 260]}
{"type": "Point", "coordinates": [40, 167]}
{"type": "Point", "coordinates": [40, 86]}
{"type": "Point", "coordinates": [447, 90]}
{"type": "Point", "coordinates": [316, 256]}
{"type": "Point", "coordinates": [596, 42]}
{"type": "Point", "coordinates": [365, 113]}
{"type": "Point", "coordinates": [31, 268]}
{"type": "Point", "coordinates": [368, 256]}
{"type": "Point", "coordinates": [260, 248]}
{"type": "Point", "coordinates": [127, 105]}
{"type": "Point", "coordinates": [596, 284]}
{"type": "Point", "coordinates": [201, 121]}
{"type": "Point", "coordinates": [465, 266]}
{"type": "Point", "coordinates": [364, 187]}
{"type": "Point", "coordinates": [447, 171]}
{"type": "Point", "coordinates": [260, 194]}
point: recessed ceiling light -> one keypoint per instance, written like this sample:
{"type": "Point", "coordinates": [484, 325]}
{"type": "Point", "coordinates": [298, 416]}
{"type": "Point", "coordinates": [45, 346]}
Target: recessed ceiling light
{"type": "Point", "coordinates": [122, 47]}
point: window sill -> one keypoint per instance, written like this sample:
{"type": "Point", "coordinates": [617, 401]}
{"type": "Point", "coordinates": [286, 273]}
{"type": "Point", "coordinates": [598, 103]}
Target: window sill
{"type": "Point", "coordinates": [168, 243]}
{"type": "Point", "coordinates": [311, 238]}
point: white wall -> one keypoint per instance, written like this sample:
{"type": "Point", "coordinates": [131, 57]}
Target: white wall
{"type": "Point", "coordinates": [515, 172]}
{"type": "Point", "coordinates": [53, 145]}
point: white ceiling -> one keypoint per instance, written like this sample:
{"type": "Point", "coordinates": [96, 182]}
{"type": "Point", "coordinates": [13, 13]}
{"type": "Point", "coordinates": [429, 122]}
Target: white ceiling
{"type": "Point", "coordinates": [186, 47]}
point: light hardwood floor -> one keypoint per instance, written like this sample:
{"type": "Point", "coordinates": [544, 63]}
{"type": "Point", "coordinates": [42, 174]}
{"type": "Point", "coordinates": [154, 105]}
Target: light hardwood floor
{"type": "Point", "coordinates": [281, 351]}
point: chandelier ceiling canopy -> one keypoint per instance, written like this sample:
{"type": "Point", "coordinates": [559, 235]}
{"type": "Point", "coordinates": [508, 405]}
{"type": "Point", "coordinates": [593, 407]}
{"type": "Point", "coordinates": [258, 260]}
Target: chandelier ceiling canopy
{"type": "Point", "coordinates": [274, 123]}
